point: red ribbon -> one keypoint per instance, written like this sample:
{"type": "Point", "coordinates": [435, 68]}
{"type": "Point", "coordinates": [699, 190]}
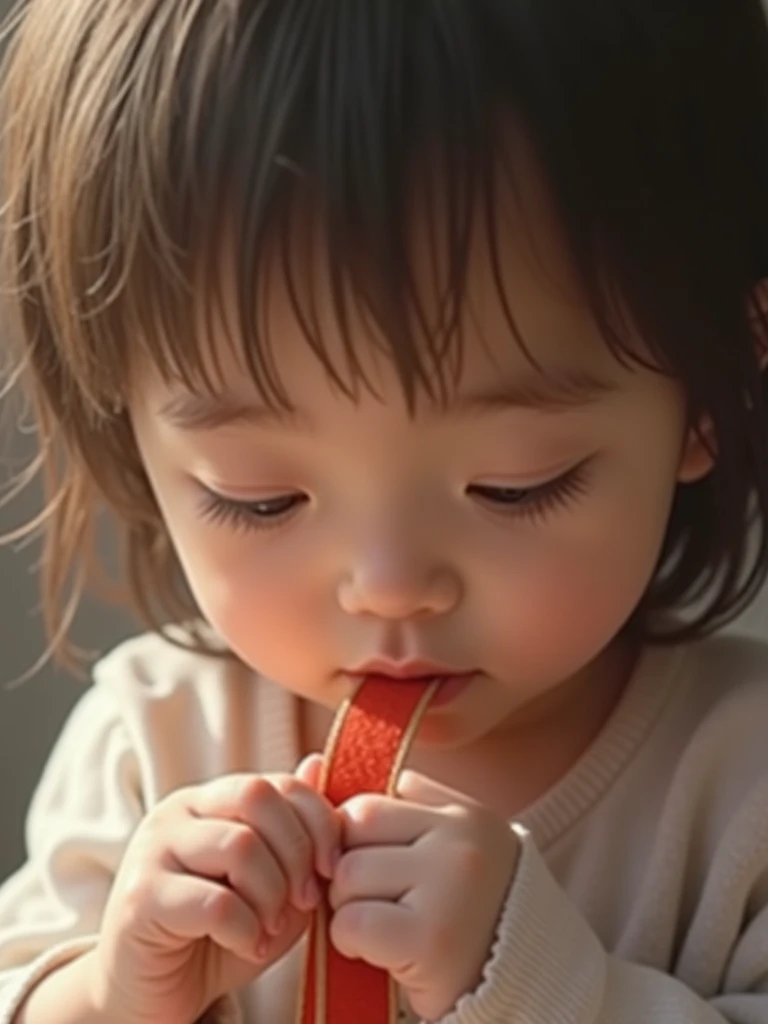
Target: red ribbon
{"type": "Point", "coordinates": [365, 752]}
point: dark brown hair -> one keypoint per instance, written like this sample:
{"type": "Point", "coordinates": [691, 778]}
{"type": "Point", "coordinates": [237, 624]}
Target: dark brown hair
{"type": "Point", "coordinates": [142, 138]}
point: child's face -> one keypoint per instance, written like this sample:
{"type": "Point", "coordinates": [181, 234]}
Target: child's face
{"type": "Point", "coordinates": [388, 545]}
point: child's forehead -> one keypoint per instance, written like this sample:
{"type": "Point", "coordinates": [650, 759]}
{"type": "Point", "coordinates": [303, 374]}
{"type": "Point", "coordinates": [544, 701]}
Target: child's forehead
{"type": "Point", "coordinates": [516, 268]}
{"type": "Point", "coordinates": [555, 357]}
{"type": "Point", "coordinates": [311, 398]}
{"type": "Point", "coordinates": [313, 322]}
{"type": "Point", "coordinates": [485, 286]}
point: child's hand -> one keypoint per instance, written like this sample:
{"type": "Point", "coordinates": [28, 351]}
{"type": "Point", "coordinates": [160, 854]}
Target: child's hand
{"type": "Point", "coordinates": [420, 889]}
{"type": "Point", "coordinates": [203, 885]}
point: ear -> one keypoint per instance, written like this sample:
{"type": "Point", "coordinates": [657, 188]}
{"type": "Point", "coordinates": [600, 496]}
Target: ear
{"type": "Point", "coordinates": [700, 449]}
{"type": "Point", "coordinates": [699, 453]}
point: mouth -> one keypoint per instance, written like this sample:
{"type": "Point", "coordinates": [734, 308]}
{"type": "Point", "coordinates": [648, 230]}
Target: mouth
{"type": "Point", "coordinates": [452, 683]}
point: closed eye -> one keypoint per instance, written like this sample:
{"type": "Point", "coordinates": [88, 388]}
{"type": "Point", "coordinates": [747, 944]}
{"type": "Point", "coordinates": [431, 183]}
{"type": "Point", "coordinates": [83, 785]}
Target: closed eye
{"type": "Point", "coordinates": [535, 502]}
{"type": "Point", "coordinates": [261, 514]}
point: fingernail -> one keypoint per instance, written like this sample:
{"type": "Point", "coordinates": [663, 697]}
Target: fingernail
{"type": "Point", "coordinates": [277, 926]}
{"type": "Point", "coordinates": [328, 869]}
{"type": "Point", "coordinates": [262, 950]}
{"type": "Point", "coordinates": [311, 893]}
{"type": "Point", "coordinates": [335, 858]}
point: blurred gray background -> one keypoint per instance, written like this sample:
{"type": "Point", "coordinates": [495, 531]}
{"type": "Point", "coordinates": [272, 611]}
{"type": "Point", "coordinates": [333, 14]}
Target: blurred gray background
{"type": "Point", "coordinates": [32, 711]}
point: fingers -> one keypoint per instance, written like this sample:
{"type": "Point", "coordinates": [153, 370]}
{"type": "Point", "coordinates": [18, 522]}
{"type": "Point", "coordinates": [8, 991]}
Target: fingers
{"type": "Point", "coordinates": [255, 802]}
{"type": "Point", "coordinates": [299, 826]}
{"type": "Point", "coordinates": [373, 820]}
{"type": "Point", "coordinates": [310, 771]}
{"type": "Point", "coordinates": [192, 908]}
{"type": "Point", "coordinates": [380, 820]}
{"type": "Point", "coordinates": [222, 850]}
{"type": "Point", "coordinates": [379, 933]}
{"type": "Point", "coordinates": [387, 872]}
{"type": "Point", "coordinates": [322, 821]}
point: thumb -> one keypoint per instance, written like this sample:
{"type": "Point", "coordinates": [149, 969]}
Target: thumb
{"type": "Point", "coordinates": [310, 771]}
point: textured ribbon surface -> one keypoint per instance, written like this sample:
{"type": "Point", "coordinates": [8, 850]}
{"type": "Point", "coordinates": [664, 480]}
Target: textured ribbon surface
{"type": "Point", "coordinates": [365, 752]}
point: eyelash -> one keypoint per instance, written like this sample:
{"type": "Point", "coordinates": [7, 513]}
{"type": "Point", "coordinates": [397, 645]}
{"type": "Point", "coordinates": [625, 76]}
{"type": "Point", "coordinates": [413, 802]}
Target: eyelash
{"type": "Point", "coordinates": [536, 503]}
{"type": "Point", "coordinates": [244, 515]}
{"type": "Point", "coordinates": [533, 503]}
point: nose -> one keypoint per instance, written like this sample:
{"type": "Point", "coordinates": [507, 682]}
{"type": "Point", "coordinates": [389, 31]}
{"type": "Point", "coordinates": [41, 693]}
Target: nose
{"type": "Point", "coordinates": [393, 586]}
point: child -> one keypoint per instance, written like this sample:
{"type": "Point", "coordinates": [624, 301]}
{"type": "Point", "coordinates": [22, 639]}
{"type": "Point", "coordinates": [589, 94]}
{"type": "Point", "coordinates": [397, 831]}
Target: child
{"type": "Point", "coordinates": [421, 337]}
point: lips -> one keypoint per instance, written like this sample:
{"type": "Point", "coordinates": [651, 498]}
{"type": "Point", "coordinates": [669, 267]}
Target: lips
{"type": "Point", "coordinates": [404, 670]}
{"type": "Point", "coordinates": [452, 682]}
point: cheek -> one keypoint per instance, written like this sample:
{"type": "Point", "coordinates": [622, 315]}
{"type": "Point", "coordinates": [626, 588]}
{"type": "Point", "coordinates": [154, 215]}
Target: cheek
{"type": "Point", "coordinates": [573, 587]}
{"type": "Point", "coordinates": [266, 610]}
{"type": "Point", "coordinates": [573, 611]}
{"type": "Point", "coordinates": [257, 593]}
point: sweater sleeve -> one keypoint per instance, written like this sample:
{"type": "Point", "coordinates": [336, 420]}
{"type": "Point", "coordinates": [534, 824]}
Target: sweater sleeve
{"type": "Point", "coordinates": [82, 816]}
{"type": "Point", "coordinates": [548, 964]}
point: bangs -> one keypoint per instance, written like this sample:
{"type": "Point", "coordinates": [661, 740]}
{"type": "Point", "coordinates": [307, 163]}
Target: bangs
{"type": "Point", "coordinates": [235, 142]}
{"type": "Point", "coordinates": [201, 148]}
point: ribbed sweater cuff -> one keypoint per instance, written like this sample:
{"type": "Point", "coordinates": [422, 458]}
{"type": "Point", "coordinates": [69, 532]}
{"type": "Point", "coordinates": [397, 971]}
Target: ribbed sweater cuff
{"type": "Point", "coordinates": [546, 963]}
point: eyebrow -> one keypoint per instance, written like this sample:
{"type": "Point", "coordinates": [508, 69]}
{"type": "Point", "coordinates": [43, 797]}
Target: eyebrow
{"type": "Point", "coordinates": [569, 389]}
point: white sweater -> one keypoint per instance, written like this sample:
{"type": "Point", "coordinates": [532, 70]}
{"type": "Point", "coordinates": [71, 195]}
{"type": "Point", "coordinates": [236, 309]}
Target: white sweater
{"type": "Point", "coordinates": [641, 896]}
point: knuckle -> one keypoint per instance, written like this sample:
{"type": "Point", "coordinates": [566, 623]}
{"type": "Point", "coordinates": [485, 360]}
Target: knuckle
{"type": "Point", "coordinates": [152, 841]}
{"type": "Point", "coordinates": [242, 845]}
{"type": "Point", "coordinates": [176, 802]}
{"type": "Point", "coordinates": [256, 794]}
{"type": "Point", "coordinates": [309, 805]}
{"type": "Point", "coordinates": [436, 936]}
{"type": "Point", "coordinates": [363, 809]}
{"type": "Point", "coordinates": [137, 896]}
{"type": "Point", "coordinates": [221, 906]}
{"type": "Point", "coordinates": [148, 849]}
{"type": "Point", "coordinates": [468, 861]}
{"type": "Point", "coordinates": [290, 787]}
